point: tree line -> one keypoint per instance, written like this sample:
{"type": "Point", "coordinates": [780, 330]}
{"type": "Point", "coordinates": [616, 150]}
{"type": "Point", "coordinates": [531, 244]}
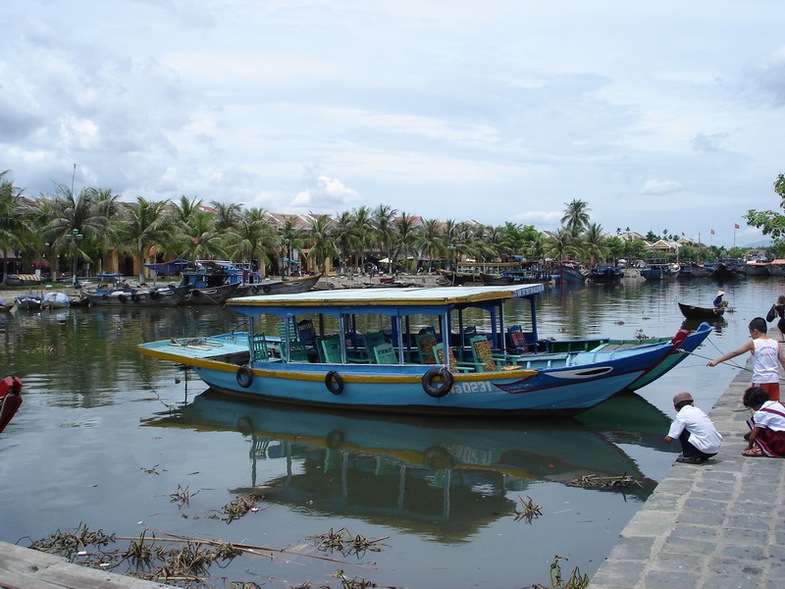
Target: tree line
{"type": "Point", "coordinates": [84, 228]}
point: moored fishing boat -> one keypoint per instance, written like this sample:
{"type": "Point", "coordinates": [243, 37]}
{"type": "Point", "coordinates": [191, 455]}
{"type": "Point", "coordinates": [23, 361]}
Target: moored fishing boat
{"type": "Point", "coordinates": [605, 274]}
{"type": "Point", "coordinates": [27, 301]}
{"type": "Point", "coordinates": [340, 367]}
{"type": "Point", "coordinates": [294, 285]}
{"type": "Point", "coordinates": [568, 272]}
{"type": "Point", "coordinates": [162, 296]}
{"type": "Point", "coordinates": [10, 399]}
{"type": "Point", "coordinates": [55, 300]}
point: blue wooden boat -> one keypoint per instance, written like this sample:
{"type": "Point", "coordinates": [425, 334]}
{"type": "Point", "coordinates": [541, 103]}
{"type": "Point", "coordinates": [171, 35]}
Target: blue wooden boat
{"type": "Point", "coordinates": [452, 377]}
{"type": "Point", "coordinates": [605, 274]}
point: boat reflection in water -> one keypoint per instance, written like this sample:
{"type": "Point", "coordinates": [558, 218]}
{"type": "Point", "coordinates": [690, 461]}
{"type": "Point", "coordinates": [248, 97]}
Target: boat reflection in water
{"type": "Point", "coordinates": [445, 477]}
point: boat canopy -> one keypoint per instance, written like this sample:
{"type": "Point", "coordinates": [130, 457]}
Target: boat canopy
{"type": "Point", "coordinates": [382, 301]}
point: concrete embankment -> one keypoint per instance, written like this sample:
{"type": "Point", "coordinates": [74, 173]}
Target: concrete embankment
{"type": "Point", "coordinates": [717, 525]}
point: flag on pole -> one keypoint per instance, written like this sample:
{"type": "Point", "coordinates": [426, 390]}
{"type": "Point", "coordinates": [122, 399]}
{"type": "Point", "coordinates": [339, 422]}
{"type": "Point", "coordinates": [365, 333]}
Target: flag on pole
{"type": "Point", "coordinates": [736, 226]}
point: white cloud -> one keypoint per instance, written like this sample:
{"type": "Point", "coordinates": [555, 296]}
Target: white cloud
{"type": "Point", "coordinates": [496, 111]}
{"type": "Point", "coordinates": [660, 187]}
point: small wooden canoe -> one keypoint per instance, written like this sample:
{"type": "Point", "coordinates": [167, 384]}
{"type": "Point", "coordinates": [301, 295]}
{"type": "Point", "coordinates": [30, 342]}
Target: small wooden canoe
{"type": "Point", "coordinates": [693, 312]}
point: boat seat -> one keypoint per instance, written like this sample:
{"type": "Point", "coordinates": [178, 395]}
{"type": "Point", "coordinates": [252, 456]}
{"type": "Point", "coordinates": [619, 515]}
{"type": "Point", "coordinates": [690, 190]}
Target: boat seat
{"type": "Point", "coordinates": [385, 354]}
{"type": "Point", "coordinates": [453, 364]}
{"type": "Point", "coordinates": [425, 344]}
{"type": "Point", "coordinates": [259, 350]}
{"type": "Point", "coordinates": [484, 358]}
{"type": "Point", "coordinates": [329, 348]}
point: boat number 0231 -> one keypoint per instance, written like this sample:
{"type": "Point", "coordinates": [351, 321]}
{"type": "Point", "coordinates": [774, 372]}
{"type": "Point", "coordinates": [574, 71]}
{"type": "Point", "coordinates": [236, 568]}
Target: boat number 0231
{"type": "Point", "coordinates": [471, 387]}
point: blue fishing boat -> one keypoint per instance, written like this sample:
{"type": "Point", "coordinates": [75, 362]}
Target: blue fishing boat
{"type": "Point", "coordinates": [424, 355]}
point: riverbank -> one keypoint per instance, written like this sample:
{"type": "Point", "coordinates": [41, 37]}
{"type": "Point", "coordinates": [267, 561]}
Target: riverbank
{"type": "Point", "coordinates": [719, 524]}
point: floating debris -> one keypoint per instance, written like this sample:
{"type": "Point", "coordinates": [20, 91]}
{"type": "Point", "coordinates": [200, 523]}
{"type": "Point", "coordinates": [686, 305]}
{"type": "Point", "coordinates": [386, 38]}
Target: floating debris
{"type": "Point", "coordinates": [345, 543]}
{"type": "Point", "coordinates": [241, 506]}
{"type": "Point", "coordinates": [530, 510]}
{"type": "Point", "coordinates": [593, 481]}
{"type": "Point", "coordinates": [182, 496]}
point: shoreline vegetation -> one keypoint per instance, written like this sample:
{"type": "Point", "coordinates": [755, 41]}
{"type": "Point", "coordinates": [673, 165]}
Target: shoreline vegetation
{"type": "Point", "coordinates": [95, 231]}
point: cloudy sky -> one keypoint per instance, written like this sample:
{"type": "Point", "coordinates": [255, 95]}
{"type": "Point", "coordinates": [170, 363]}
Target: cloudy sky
{"type": "Point", "coordinates": [661, 115]}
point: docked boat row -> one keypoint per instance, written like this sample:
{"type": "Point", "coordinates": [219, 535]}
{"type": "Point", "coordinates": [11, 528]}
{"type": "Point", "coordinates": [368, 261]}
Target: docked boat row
{"type": "Point", "coordinates": [435, 351]}
{"type": "Point", "coordinates": [194, 289]}
{"type": "Point", "coordinates": [721, 270]}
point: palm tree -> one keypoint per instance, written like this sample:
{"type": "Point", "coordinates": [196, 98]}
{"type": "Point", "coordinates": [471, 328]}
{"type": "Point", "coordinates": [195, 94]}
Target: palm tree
{"type": "Point", "coordinates": [562, 245]}
{"type": "Point", "coordinates": [75, 222]}
{"type": "Point", "coordinates": [345, 238]}
{"type": "Point", "coordinates": [227, 215]}
{"type": "Point", "coordinates": [430, 241]}
{"type": "Point", "coordinates": [147, 225]}
{"type": "Point", "coordinates": [321, 241]}
{"type": "Point", "coordinates": [594, 243]}
{"type": "Point", "coordinates": [405, 237]}
{"type": "Point", "coordinates": [252, 237]}
{"type": "Point", "coordinates": [383, 218]}
{"type": "Point", "coordinates": [205, 242]}
{"type": "Point", "coordinates": [108, 206]}
{"type": "Point", "coordinates": [13, 225]}
{"type": "Point", "coordinates": [363, 228]}
{"type": "Point", "coordinates": [576, 215]}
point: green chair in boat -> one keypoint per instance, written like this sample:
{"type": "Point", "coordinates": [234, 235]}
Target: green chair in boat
{"type": "Point", "coordinates": [258, 346]}
{"type": "Point", "coordinates": [371, 340]}
{"type": "Point", "coordinates": [484, 358]}
{"type": "Point", "coordinates": [298, 351]}
{"type": "Point", "coordinates": [329, 348]}
{"type": "Point", "coordinates": [385, 354]}
{"type": "Point", "coordinates": [453, 364]}
{"type": "Point", "coordinates": [425, 344]}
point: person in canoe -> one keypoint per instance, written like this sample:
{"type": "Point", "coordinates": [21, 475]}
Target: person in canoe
{"type": "Point", "coordinates": [718, 302]}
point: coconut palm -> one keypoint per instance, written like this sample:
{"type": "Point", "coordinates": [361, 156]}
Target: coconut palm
{"type": "Point", "coordinates": [363, 228]}
{"type": "Point", "coordinates": [252, 237]}
{"type": "Point", "coordinates": [75, 223]}
{"type": "Point", "coordinates": [430, 241]}
{"type": "Point", "coordinates": [147, 224]}
{"type": "Point", "coordinates": [321, 241]}
{"type": "Point", "coordinates": [576, 215]}
{"type": "Point", "coordinates": [405, 236]}
{"type": "Point", "coordinates": [345, 237]}
{"type": "Point", "coordinates": [594, 243]}
{"type": "Point", "coordinates": [383, 217]}
{"type": "Point", "coordinates": [227, 215]}
{"type": "Point", "coordinates": [14, 227]}
{"type": "Point", "coordinates": [562, 245]}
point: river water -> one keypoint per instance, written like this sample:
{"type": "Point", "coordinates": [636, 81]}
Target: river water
{"type": "Point", "coordinates": [123, 443]}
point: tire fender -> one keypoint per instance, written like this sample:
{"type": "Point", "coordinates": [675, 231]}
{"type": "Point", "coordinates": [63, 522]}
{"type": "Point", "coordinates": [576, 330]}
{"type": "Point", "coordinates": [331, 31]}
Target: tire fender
{"type": "Point", "coordinates": [244, 376]}
{"type": "Point", "coordinates": [334, 382]}
{"type": "Point", "coordinates": [437, 388]}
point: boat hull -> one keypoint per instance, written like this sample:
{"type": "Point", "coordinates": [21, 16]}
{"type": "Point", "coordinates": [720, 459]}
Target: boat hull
{"type": "Point", "coordinates": [55, 300]}
{"type": "Point", "coordinates": [167, 297]}
{"type": "Point", "coordinates": [10, 399]}
{"type": "Point", "coordinates": [217, 295]}
{"type": "Point", "coordinates": [701, 313]}
{"type": "Point", "coordinates": [566, 390]}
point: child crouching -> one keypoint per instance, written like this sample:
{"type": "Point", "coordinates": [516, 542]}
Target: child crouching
{"type": "Point", "coordinates": [699, 438]}
{"type": "Point", "coordinates": [767, 425]}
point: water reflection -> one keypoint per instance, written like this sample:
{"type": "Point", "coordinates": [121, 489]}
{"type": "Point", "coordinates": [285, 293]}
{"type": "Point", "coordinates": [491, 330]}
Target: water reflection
{"type": "Point", "coordinates": [445, 478]}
